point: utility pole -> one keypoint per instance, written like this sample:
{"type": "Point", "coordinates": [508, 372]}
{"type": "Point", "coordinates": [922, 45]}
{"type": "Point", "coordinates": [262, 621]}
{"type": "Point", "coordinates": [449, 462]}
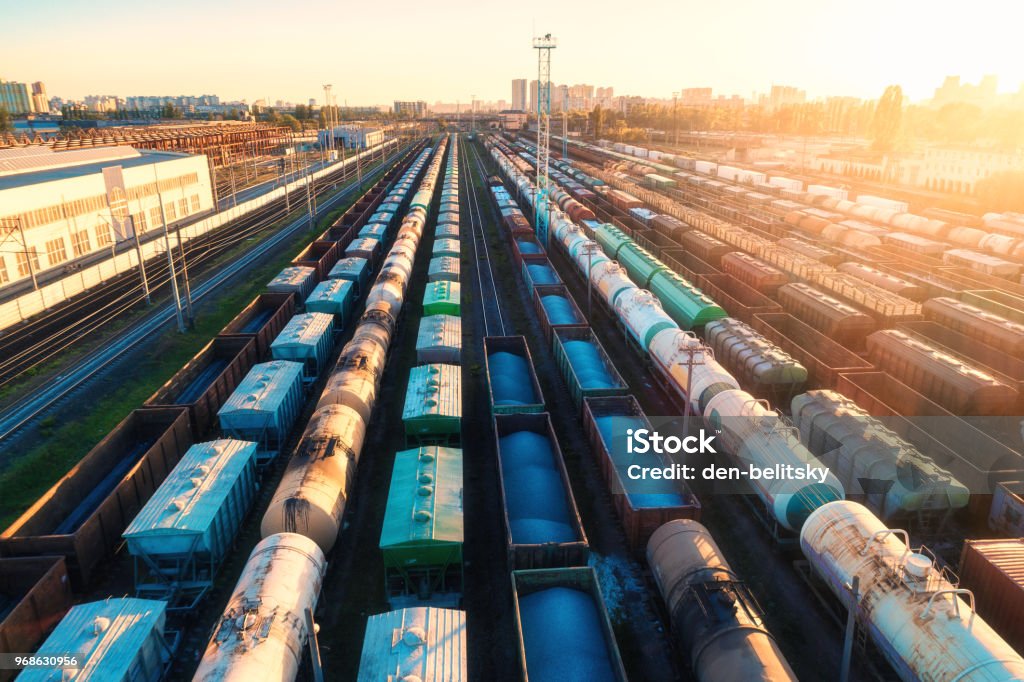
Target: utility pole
{"type": "Point", "coordinates": [24, 247]}
{"type": "Point", "coordinates": [675, 116]}
{"type": "Point", "coordinates": [693, 346]}
{"type": "Point", "coordinates": [170, 257]}
{"type": "Point", "coordinates": [184, 276]}
{"type": "Point", "coordinates": [472, 114]}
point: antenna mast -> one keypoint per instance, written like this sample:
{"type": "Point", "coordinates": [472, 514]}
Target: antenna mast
{"type": "Point", "coordinates": [543, 45]}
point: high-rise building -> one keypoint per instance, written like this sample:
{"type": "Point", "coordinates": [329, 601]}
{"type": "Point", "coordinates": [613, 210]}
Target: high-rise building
{"type": "Point", "coordinates": [606, 97]}
{"type": "Point", "coordinates": [785, 95]}
{"type": "Point", "coordinates": [414, 109]}
{"type": "Point", "coordinates": [534, 87]}
{"type": "Point", "coordinates": [519, 94]}
{"type": "Point", "coordinates": [14, 97]}
{"type": "Point", "coordinates": [40, 102]}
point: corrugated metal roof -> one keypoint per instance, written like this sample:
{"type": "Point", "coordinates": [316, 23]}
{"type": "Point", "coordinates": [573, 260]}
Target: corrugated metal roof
{"type": "Point", "coordinates": [425, 498]}
{"type": "Point", "coordinates": [264, 388]}
{"type": "Point", "coordinates": [442, 291]}
{"type": "Point", "coordinates": [439, 331]}
{"type": "Point", "coordinates": [305, 329]}
{"type": "Point", "coordinates": [447, 246]}
{"type": "Point", "coordinates": [373, 230]}
{"type": "Point", "coordinates": [189, 499]}
{"type": "Point", "coordinates": [294, 276]}
{"type": "Point", "coordinates": [34, 158]}
{"type": "Point", "coordinates": [422, 643]}
{"type": "Point", "coordinates": [332, 295]}
{"type": "Point", "coordinates": [349, 267]}
{"type": "Point", "coordinates": [434, 390]}
{"type": "Point", "coordinates": [1005, 555]}
{"type": "Point", "coordinates": [109, 637]}
{"type": "Point", "coordinates": [443, 264]}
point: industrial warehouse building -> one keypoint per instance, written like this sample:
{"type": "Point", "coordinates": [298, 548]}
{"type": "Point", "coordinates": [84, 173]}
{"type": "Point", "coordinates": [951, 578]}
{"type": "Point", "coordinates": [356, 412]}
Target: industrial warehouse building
{"type": "Point", "coordinates": [57, 206]}
{"type": "Point", "coordinates": [354, 136]}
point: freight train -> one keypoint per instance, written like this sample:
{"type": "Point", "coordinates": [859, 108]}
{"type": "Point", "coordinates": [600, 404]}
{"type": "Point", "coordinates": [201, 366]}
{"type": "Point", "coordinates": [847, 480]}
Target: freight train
{"type": "Point", "coordinates": [280, 584]}
{"type": "Point", "coordinates": [678, 359]}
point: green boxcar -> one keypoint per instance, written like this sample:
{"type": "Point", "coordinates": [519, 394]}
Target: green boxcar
{"type": "Point", "coordinates": [433, 404]}
{"type": "Point", "coordinates": [422, 537]}
{"type": "Point", "coordinates": [611, 239]}
{"type": "Point", "coordinates": [683, 302]}
{"type": "Point", "coordinates": [442, 298]}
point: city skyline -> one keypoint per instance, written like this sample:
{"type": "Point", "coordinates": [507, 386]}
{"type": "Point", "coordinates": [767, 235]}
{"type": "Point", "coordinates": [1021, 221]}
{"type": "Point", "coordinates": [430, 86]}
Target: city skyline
{"type": "Point", "coordinates": [636, 56]}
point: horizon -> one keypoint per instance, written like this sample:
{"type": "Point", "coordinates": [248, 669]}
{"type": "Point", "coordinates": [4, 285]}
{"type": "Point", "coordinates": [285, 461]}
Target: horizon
{"type": "Point", "coordinates": [415, 61]}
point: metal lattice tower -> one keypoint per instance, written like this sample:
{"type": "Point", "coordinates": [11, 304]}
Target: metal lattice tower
{"type": "Point", "coordinates": [543, 45]}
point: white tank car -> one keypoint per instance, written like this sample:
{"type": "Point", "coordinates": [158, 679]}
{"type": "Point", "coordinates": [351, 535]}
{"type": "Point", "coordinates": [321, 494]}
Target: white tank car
{"type": "Point", "coordinates": [640, 311]}
{"type": "Point", "coordinates": [313, 492]}
{"type": "Point", "coordinates": [925, 627]}
{"type": "Point", "coordinates": [610, 279]}
{"type": "Point", "coordinates": [356, 378]}
{"type": "Point", "coordinates": [589, 254]}
{"type": "Point", "coordinates": [262, 633]}
{"type": "Point", "coordinates": [672, 351]}
{"type": "Point", "coordinates": [755, 436]}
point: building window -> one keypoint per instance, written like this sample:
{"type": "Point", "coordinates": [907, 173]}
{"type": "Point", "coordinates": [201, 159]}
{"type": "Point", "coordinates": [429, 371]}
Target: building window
{"type": "Point", "coordinates": [80, 243]}
{"type": "Point", "coordinates": [183, 207]}
{"type": "Point", "coordinates": [4, 277]}
{"type": "Point", "coordinates": [169, 210]}
{"type": "Point", "coordinates": [102, 235]}
{"type": "Point", "coordinates": [56, 252]}
{"type": "Point", "coordinates": [154, 215]}
{"type": "Point", "coordinates": [140, 222]}
{"type": "Point", "coordinates": [24, 258]}
{"type": "Point", "coordinates": [195, 203]}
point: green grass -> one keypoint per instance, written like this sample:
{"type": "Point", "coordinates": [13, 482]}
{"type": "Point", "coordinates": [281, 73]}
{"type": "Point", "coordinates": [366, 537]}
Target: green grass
{"type": "Point", "coordinates": [63, 444]}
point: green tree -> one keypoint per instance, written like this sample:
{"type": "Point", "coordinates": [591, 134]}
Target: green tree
{"type": "Point", "coordinates": [5, 120]}
{"type": "Point", "coordinates": [291, 122]}
{"type": "Point", "coordinates": [888, 117]}
{"type": "Point", "coordinates": [1003, 191]}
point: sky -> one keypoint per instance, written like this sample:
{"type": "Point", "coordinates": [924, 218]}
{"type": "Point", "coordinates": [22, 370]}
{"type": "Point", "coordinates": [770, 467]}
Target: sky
{"type": "Point", "coordinates": [451, 50]}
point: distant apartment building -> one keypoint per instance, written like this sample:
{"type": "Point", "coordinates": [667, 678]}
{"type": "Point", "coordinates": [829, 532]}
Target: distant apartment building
{"type": "Point", "coordinates": [102, 103]}
{"type": "Point", "coordinates": [605, 97]}
{"type": "Point", "coordinates": [414, 109]}
{"type": "Point", "coordinates": [782, 96]}
{"type": "Point", "coordinates": [519, 94]}
{"type": "Point", "coordinates": [183, 102]}
{"type": "Point", "coordinates": [695, 97]}
{"type": "Point", "coordinates": [40, 103]}
{"type": "Point", "coordinates": [952, 91]}
{"type": "Point", "coordinates": [534, 88]}
{"type": "Point", "coordinates": [14, 97]}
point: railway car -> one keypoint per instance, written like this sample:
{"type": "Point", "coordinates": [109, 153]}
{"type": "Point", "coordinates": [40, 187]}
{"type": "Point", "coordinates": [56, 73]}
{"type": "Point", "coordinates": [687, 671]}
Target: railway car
{"type": "Point", "coordinates": [885, 280]}
{"type": "Point", "coordinates": [687, 305]}
{"type": "Point", "coordinates": [987, 327]}
{"type": "Point", "coordinates": [670, 226]}
{"type": "Point", "coordinates": [511, 378]}
{"type": "Point", "coordinates": [691, 374]}
{"type": "Point", "coordinates": [953, 383]}
{"type": "Point", "coordinates": [990, 265]}
{"type": "Point", "coordinates": [837, 320]}
{"type": "Point", "coordinates": [764, 368]}
{"type": "Point", "coordinates": [712, 612]}
{"type": "Point", "coordinates": [873, 463]}
{"type": "Point", "coordinates": [924, 625]}
{"type": "Point", "coordinates": [642, 316]}
{"type": "Point", "coordinates": [416, 643]}
{"type": "Point", "coordinates": [754, 272]}
{"type": "Point", "coordinates": [754, 436]}
{"type": "Point", "coordinates": [279, 584]}
{"type": "Point", "coordinates": [562, 628]}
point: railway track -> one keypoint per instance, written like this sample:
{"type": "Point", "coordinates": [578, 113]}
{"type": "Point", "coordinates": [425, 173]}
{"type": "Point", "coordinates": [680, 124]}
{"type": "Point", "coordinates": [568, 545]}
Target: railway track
{"type": "Point", "coordinates": [494, 322]}
{"type": "Point", "coordinates": [63, 386]}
